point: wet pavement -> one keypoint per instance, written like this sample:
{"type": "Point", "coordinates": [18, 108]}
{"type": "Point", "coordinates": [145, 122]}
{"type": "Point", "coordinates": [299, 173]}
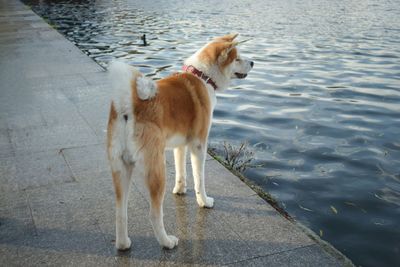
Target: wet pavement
{"type": "Point", "coordinates": [56, 195]}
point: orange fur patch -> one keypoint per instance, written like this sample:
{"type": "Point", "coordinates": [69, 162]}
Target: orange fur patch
{"type": "Point", "coordinates": [181, 106]}
{"type": "Point", "coordinates": [155, 175]}
{"type": "Point", "coordinates": [115, 174]}
{"type": "Point", "coordinates": [232, 55]}
{"type": "Point", "coordinates": [219, 53]}
{"type": "Point", "coordinates": [227, 38]}
{"type": "Point", "coordinates": [111, 121]}
{"type": "Point", "coordinates": [117, 186]}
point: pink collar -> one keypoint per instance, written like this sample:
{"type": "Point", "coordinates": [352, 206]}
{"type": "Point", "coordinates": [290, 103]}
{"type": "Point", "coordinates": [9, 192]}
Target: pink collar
{"type": "Point", "coordinates": [200, 74]}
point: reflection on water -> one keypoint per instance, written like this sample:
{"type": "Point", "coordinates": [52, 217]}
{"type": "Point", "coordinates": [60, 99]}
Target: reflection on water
{"type": "Point", "coordinates": [320, 109]}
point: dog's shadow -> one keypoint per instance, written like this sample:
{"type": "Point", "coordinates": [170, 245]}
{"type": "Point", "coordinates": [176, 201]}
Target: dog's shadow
{"type": "Point", "coordinates": [204, 238]}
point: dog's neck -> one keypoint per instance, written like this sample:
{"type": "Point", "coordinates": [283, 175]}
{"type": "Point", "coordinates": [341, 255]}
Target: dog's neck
{"type": "Point", "coordinates": [221, 80]}
{"type": "Point", "coordinates": [193, 70]}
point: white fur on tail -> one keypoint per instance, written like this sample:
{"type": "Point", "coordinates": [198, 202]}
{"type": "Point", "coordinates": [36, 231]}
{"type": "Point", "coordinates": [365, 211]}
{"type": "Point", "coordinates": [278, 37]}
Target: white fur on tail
{"type": "Point", "coordinates": [146, 88]}
{"type": "Point", "coordinates": [122, 75]}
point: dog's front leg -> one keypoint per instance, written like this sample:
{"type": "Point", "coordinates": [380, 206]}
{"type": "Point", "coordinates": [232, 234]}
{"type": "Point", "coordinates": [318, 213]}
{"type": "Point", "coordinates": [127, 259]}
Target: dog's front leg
{"type": "Point", "coordinates": [180, 170]}
{"type": "Point", "coordinates": [198, 157]}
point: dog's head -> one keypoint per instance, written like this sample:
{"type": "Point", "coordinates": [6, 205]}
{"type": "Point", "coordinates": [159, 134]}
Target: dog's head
{"type": "Point", "coordinates": [220, 60]}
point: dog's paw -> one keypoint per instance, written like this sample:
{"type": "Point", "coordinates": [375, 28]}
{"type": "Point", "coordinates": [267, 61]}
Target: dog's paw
{"type": "Point", "coordinates": [171, 242]}
{"type": "Point", "coordinates": [179, 190]}
{"type": "Point", "coordinates": [123, 245]}
{"type": "Point", "coordinates": [209, 203]}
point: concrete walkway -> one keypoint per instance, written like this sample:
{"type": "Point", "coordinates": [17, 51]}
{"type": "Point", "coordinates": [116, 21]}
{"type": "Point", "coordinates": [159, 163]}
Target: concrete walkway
{"type": "Point", "coordinates": [56, 195]}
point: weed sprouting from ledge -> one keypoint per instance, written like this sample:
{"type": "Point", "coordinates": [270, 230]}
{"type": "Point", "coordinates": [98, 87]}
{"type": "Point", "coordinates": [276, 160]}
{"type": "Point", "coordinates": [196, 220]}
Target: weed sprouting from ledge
{"type": "Point", "coordinates": [235, 157]}
{"type": "Point", "coordinates": [238, 159]}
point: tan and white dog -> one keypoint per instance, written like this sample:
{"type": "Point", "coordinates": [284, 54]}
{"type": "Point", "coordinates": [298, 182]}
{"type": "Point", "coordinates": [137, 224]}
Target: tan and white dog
{"type": "Point", "coordinates": [147, 117]}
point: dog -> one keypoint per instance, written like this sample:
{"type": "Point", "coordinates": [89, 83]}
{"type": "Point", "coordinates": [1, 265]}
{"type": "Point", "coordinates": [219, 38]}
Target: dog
{"type": "Point", "coordinates": [147, 117]}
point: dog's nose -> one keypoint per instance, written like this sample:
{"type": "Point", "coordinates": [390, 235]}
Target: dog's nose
{"type": "Point", "coordinates": [251, 63]}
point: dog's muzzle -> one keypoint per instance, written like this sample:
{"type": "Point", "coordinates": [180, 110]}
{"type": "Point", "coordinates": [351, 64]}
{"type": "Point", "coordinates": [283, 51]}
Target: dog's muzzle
{"type": "Point", "coordinates": [244, 75]}
{"type": "Point", "coordinates": [240, 75]}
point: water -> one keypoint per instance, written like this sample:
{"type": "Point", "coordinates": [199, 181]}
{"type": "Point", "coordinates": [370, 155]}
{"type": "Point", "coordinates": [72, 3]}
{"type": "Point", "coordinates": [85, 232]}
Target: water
{"type": "Point", "coordinates": [320, 110]}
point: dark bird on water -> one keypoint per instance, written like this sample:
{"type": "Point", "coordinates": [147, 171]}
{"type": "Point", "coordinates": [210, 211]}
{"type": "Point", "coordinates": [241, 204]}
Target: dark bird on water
{"type": "Point", "coordinates": [143, 38]}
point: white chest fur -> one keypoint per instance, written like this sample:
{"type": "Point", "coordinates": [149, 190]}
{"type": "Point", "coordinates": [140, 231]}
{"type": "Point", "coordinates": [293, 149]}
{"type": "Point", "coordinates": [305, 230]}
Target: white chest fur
{"type": "Point", "coordinates": [175, 141]}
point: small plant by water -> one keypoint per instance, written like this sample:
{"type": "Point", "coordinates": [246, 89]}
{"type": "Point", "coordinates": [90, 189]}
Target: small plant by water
{"type": "Point", "coordinates": [238, 158]}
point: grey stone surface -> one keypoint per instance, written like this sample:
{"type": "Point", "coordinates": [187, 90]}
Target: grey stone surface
{"type": "Point", "coordinates": [56, 193]}
{"type": "Point", "coordinates": [86, 160]}
{"type": "Point", "coordinates": [36, 169]}
{"type": "Point", "coordinates": [311, 255]}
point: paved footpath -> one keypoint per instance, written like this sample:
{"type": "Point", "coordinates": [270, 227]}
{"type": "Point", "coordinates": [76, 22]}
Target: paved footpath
{"type": "Point", "coordinates": [56, 195]}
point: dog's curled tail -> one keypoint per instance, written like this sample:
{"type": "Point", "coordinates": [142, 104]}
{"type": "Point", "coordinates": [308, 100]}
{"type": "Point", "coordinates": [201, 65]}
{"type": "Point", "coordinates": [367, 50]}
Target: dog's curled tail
{"type": "Point", "coordinates": [122, 76]}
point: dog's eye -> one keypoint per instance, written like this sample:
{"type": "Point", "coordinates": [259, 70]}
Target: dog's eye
{"type": "Point", "coordinates": [238, 59]}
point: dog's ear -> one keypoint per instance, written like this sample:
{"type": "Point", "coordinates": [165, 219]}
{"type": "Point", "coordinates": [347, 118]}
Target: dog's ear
{"type": "Point", "coordinates": [226, 38]}
{"type": "Point", "coordinates": [218, 52]}
{"type": "Point", "coordinates": [226, 54]}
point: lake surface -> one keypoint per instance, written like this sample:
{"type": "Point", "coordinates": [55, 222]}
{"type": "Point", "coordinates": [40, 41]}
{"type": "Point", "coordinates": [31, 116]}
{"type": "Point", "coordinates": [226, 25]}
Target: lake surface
{"type": "Point", "coordinates": [320, 110]}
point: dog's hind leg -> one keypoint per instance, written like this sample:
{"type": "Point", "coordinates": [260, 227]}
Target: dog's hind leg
{"type": "Point", "coordinates": [180, 170]}
{"type": "Point", "coordinates": [121, 173]}
{"type": "Point", "coordinates": [198, 157]}
{"type": "Point", "coordinates": [155, 178]}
